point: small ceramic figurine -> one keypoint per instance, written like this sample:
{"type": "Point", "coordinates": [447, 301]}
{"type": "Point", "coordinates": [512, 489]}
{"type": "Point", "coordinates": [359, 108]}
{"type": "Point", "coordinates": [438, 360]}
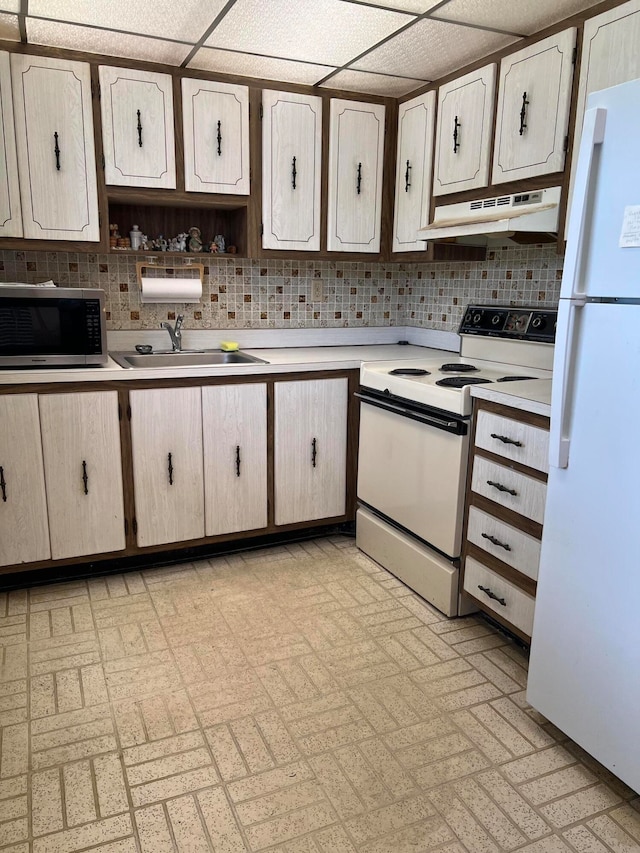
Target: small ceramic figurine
{"type": "Point", "coordinates": [182, 242]}
{"type": "Point", "coordinates": [144, 242]}
{"type": "Point", "coordinates": [195, 240]}
{"type": "Point", "coordinates": [161, 244]}
{"type": "Point", "coordinates": [220, 243]}
{"type": "Point", "coordinates": [213, 246]}
{"type": "Point", "coordinates": [173, 244]}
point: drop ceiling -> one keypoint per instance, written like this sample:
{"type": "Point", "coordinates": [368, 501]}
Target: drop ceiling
{"type": "Point", "coordinates": [379, 47]}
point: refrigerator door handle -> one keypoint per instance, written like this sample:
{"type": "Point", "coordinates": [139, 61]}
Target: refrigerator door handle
{"type": "Point", "coordinates": [592, 135]}
{"type": "Point", "coordinates": [559, 435]}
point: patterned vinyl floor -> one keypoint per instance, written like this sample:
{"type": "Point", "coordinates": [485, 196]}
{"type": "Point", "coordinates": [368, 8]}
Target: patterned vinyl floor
{"type": "Point", "coordinates": [297, 699]}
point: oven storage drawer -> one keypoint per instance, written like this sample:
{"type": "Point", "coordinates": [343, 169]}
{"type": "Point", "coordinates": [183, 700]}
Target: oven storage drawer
{"type": "Point", "coordinates": [507, 601]}
{"type": "Point", "coordinates": [498, 484]}
{"type": "Point", "coordinates": [515, 440]}
{"type": "Point", "coordinates": [512, 546]}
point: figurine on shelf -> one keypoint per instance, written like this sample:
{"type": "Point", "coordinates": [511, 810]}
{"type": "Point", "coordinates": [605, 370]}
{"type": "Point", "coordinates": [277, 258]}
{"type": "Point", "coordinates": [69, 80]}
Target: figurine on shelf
{"type": "Point", "coordinates": [160, 244]}
{"type": "Point", "coordinates": [195, 240]}
{"type": "Point", "coordinates": [145, 244]}
{"type": "Point", "coordinates": [182, 242]}
{"type": "Point", "coordinates": [220, 243]}
{"type": "Point", "coordinates": [213, 247]}
{"type": "Point", "coordinates": [173, 244]}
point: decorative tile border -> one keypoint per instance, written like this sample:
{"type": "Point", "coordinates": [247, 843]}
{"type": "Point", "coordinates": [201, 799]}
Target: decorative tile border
{"type": "Point", "coordinates": [245, 294]}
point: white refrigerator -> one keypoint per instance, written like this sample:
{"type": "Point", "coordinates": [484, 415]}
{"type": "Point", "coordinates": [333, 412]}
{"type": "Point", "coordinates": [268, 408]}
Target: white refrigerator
{"type": "Point", "coordinates": [584, 671]}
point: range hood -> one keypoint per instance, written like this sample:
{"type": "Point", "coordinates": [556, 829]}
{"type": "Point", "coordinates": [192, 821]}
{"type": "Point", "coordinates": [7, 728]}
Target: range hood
{"type": "Point", "coordinates": [534, 212]}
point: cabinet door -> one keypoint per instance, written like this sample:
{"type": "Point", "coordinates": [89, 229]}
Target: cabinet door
{"type": "Point", "coordinates": [137, 128]}
{"type": "Point", "coordinates": [310, 449]}
{"type": "Point", "coordinates": [83, 472]}
{"type": "Point", "coordinates": [215, 119]}
{"type": "Point", "coordinates": [416, 120]}
{"type": "Point", "coordinates": [166, 432]}
{"type": "Point", "coordinates": [463, 132]}
{"type": "Point", "coordinates": [54, 139]}
{"type": "Point", "coordinates": [356, 148]}
{"type": "Point", "coordinates": [534, 96]}
{"type": "Point", "coordinates": [24, 532]}
{"type": "Point", "coordinates": [10, 210]}
{"type": "Point", "coordinates": [610, 56]}
{"type": "Point", "coordinates": [291, 156]}
{"type": "Point", "coordinates": [234, 428]}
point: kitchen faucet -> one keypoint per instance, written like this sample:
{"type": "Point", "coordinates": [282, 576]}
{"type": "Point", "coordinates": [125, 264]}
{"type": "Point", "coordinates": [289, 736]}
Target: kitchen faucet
{"type": "Point", "coordinates": [174, 332]}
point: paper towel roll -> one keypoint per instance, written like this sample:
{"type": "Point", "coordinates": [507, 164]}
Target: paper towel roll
{"type": "Point", "coordinates": [171, 289]}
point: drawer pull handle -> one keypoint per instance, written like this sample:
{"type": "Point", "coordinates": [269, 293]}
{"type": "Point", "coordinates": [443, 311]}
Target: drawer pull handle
{"type": "Point", "coordinates": [85, 477]}
{"type": "Point", "coordinates": [219, 138]}
{"type": "Point", "coordinates": [496, 541]}
{"type": "Point", "coordinates": [501, 488]}
{"type": "Point", "coordinates": [359, 179]}
{"type": "Point", "coordinates": [139, 129]}
{"type": "Point", "coordinates": [314, 452]}
{"type": "Point", "coordinates": [3, 485]}
{"type": "Point", "coordinates": [506, 440]}
{"type": "Point", "coordinates": [170, 468]}
{"type": "Point", "coordinates": [407, 175]}
{"type": "Point", "coordinates": [294, 173]}
{"type": "Point", "coordinates": [237, 460]}
{"type": "Point", "coordinates": [56, 150]}
{"type": "Point", "coordinates": [491, 594]}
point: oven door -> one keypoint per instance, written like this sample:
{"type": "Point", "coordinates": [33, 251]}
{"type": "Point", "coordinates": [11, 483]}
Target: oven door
{"type": "Point", "coordinates": [412, 467]}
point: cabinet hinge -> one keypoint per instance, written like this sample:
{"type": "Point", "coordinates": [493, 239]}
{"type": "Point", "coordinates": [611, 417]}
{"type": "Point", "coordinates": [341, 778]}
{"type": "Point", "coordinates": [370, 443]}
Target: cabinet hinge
{"type": "Point", "coordinates": [135, 527]}
{"type": "Point", "coordinates": [99, 92]}
{"type": "Point", "coordinates": [574, 55]}
{"type": "Point", "coordinates": [103, 162]}
{"type": "Point", "coordinates": [128, 413]}
{"type": "Point", "coordinates": [261, 111]}
{"type": "Point", "coordinates": [99, 218]}
{"type": "Point", "coordinates": [261, 229]}
{"type": "Point", "coordinates": [120, 418]}
{"type": "Point", "coordinates": [126, 527]}
{"type": "Point", "coordinates": [565, 144]}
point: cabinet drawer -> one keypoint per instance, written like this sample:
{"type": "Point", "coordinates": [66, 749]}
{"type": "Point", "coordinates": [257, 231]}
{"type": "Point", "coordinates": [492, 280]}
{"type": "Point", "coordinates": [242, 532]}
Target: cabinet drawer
{"type": "Point", "coordinates": [510, 603]}
{"type": "Point", "coordinates": [518, 549]}
{"type": "Point", "coordinates": [512, 439]}
{"type": "Point", "coordinates": [518, 492]}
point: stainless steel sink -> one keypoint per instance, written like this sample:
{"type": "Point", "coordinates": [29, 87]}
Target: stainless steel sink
{"type": "Point", "coordinates": [213, 358]}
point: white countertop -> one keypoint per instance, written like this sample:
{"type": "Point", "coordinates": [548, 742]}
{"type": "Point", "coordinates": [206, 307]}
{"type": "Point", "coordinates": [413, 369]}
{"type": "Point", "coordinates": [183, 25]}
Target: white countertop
{"type": "Point", "coordinates": [533, 396]}
{"type": "Point", "coordinates": [281, 360]}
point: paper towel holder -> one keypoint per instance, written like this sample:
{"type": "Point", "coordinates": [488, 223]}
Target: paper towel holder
{"type": "Point", "coordinates": [151, 263]}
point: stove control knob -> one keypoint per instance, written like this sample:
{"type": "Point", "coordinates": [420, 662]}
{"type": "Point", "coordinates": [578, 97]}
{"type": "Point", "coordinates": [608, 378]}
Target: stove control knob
{"type": "Point", "coordinates": [476, 318]}
{"type": "Point", "coordinates": [495, 319]}
{"type": "Point", "coordinates": [538, 323]}
{"type": "Point", "coordinates": [386, 391]}
{"type": "Point", "coordinates": [467, 317]}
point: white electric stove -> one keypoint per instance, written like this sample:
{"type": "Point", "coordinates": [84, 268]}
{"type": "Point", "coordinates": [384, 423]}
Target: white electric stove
{"type": "Point", "coordinates": [414, 443]}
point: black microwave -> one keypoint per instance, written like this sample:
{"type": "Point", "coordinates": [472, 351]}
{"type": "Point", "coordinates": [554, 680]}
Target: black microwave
{"type": "Point", "coordinates": [51, 326]}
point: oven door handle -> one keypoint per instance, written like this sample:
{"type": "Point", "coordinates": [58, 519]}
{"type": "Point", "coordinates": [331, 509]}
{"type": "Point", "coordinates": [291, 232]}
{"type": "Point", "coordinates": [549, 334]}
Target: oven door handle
{"type": "Point", "coordinates": [457, 427]}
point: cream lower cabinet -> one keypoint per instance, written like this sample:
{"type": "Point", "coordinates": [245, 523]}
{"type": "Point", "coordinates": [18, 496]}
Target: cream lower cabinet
{"type": "Point", "coordinates": [234, 428]}
{"type": "Point", "coordinates": [310, 449]}
{"type": "Point", "coordinates": [24, 530]}
{"type": "Point", "coordinates": [166, 435]}
{"type": "Point", "coordinates": [83, 472]}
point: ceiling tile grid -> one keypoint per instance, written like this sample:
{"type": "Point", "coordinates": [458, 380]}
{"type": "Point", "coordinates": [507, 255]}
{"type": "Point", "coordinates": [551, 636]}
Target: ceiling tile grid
{"type": "Point", "coordinates": [523, 16]}
{"type": "Point", "coordinates": [373, 84]}
{"type": "Point", "coordinates": [250, 65]}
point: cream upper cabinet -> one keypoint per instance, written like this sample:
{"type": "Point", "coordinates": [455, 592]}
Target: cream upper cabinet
{"type": "Point", "coordinates": [24, 531]}
{"type": "Point", "coordinates": [215, 119]}
{"type": "Point", "coordinates": [610, 56]}
{"type": "Point", "coordinates": [55, 144]}
{"type": "Point", "coordinates": [10, 210]}
{"type": "Point", "coordinates": [291, 162]}
{"type": "Point", "coordinates": [166, 433]}
{"type": "Point", "coordinates": [356, 149]}
{"type": "Point", "coordinates": [137, 127]}
{"type": "Point", "coordinates": [534, 96]}
{"type": "Point", "coordinates": [416, 121]}
{"type": "Point", "coordinates": [83, 472]}
{"type": "Point", "coordinates": [463, 132]}
{"type": "Point", "coordinates": [310, 449]}
{"type": "Point", "coordinates": [234, 428]}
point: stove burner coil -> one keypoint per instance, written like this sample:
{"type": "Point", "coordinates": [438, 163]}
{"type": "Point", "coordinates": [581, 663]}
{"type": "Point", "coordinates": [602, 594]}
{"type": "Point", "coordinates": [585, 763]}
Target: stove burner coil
{"type": "Point", "coordinates": [458, 368]}
{"type": "Point", "coordinates": [515, 378]}
{"type": "Point", "coordinates": [460, 381]}
{"type": "Point", "coordinates": [408, 371]}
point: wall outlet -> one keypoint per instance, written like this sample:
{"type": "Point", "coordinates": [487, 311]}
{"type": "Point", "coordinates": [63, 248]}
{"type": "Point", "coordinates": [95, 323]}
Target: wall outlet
{"type": "Point", "coordinates": [317, 290]}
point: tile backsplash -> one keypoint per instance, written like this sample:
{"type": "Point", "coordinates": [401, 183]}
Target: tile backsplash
{"type": "Point", "coordinates": [240, 293]}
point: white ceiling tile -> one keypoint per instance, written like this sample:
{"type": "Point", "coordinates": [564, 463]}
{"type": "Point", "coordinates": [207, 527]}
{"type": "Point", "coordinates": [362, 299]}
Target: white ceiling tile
{"type": "Point", "coordinates": [372, 84]}
{"type": "Point", "coordinates": [417, 6]}
{"type": "Point", "coordinates": [250, 65]}
{"type": "Point", "coordinates": [523, 16]}
{"type": "Point", "coordinates": [186, 20]}
{"type": "Point", "coordinates": [105, 41]}
{"type": "Point", "coordinates": [325, 31]}
{"type": "Point", "coordinates": [430, 49]}
{"type": "Point", "coordinates": [9, 27]}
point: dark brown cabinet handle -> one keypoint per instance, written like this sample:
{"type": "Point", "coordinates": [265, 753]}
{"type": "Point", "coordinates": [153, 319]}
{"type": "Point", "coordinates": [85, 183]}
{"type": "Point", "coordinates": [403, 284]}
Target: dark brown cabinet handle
{"type": "Point", "coordinates": [407, 175]}
{"type": "Point", "coordinates": [294, 173]}
{"type": "Point", "coordinates": [237, 460]}
{"type": "Point", "coordinates": [501, 488]}
{"type": "Point", "coordinates": [56, 150]}
{"type": "Point", "coordinates": [359, 181]}
{"type": "Point", "coordinates": [496, 541]}
{"type": "Point", "coordinates": [3, 485]}
{"type": "Point", "coordinates": [219, 138]}
{"type": "Point", "coordinates": [488, 592]}
{"type": "Point", "coordinates": [139, 129]}
{"type": "Point", "coordinates": [314, 452]}
{"type": "Point", "coordinates": [506, 440]}
{"type": "Point", "coordinates": [523, 113]}
{"type": "Point", "coordinates": [170, 468]}
{"type": "Point", "coordinates": [456, 126]}
{"type": "Point", "coordinates": [85, 477]}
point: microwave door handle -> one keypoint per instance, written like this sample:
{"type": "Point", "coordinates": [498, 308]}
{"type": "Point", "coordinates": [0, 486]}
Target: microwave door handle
{"type": "Point", "coordinates": [572, 300]}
